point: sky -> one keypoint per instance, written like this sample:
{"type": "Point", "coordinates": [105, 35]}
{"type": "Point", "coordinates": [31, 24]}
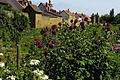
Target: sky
{"type": "Point", "coordinates": [84, 6]}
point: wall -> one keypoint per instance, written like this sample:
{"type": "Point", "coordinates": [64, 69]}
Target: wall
{"type": "Point", "coordinates": [43, 21]}
{"type": "Point", "coordinates": [71, 17]}
{"type": "Point", "coordinates": [55, 21]}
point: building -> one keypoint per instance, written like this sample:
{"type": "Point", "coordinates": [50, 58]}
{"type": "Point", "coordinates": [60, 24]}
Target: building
{"type": "Point", "coordinates": [47, 8]}
{"type": "Point", "coordinates": [3, 2]}
{"type": "Point", "coordinates": [39, 18]}
{"type": "Point", "coordinates": [66, 14]}
{"type": "Point", "coordinates": [16, 4]}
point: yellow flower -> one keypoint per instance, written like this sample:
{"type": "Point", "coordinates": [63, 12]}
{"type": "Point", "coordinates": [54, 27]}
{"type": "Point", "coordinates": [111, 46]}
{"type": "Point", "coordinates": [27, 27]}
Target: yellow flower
{"type": "Point", "coordinates": [9, 77]}
{"type": "Point", "coordinates": [38, 71]}
{"type": "Point", "coordinates": [34, 61]}
{"type": "Point", "coordinates": [21, 72]}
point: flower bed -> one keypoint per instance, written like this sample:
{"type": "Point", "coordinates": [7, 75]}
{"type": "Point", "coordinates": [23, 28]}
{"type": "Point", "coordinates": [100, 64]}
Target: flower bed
{"type": "Point", "coordinates": [65, 52]}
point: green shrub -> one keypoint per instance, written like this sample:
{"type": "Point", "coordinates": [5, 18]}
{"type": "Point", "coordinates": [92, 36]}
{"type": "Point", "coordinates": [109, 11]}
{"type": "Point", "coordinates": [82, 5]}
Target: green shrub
{"type": "Point", "coordinates": [78, 54]}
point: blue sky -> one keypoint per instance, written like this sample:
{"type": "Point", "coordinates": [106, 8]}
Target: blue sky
{"type": "Point", "coordinates": [85, 6]}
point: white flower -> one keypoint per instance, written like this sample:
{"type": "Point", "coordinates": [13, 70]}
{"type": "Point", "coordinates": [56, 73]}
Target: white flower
{"type": "Point", "coordinates": [2, 64]}
{"type": "Point", "coordinates": [43, 77]}
{"type": "Point", "coordinates": [34, 62]}
{"type": "Point", "coordinates": [11, 77]}
{"type": "Point", "coordinates": [38, 72]}
{"type": "Point", "coordinates": [0, 78]}
{"type": "Point", "coordinates": [1, 54]}
{"type": "Point", "coordinates": [7, 70]}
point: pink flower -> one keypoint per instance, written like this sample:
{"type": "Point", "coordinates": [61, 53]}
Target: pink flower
{"type": "Point", "coordinates": [59, 23]}
{"type": "Point", "coordinates": [54, 32]}
{"type": "Point", "coordinates": [64, 29]}
{"type": "Point", "coordinates": [45, 34]}
{"type": "Point", "coordinates": [96, 41]}
{"type": "Point", "coordinates": [75, 26]}
{"type": "Point", "coordinates": [36, 39]}
{"type": "Point", "coordinates": [54, 26]}
{"type": "Point", "coordinates": [47, 28]}
{"type": "Point", "coordinates": [76, 20]}
{"type": "Point", "coordinates": [86, 18]}
{"type": "Point", "coordinates": [108, 28]}
{"type": "Point", "coordinates": [108, 24]}
{"type": "Point", "coordinates": [42, 31]}
{"type": "Point", "coordinates": [104, 28]}
{"type": "Point", "coordinates": [82, 25]}
{"type": "Point", "coordinates": [46, 52]}
{"type": "Point", "coordinates": [71, 20]}
{"type": "Point", "coordinates": [51, 45]}
{"type": "Point", "coordinates": [23, 60]}
{"type": "Point", "coordinates": [101, 20]}
{"type": "Point", "coordinates": [40, 46]}
{"type": "Point", "coordinates": [71, 27]}
{"type": "Point", "coordinates": [53, 41]}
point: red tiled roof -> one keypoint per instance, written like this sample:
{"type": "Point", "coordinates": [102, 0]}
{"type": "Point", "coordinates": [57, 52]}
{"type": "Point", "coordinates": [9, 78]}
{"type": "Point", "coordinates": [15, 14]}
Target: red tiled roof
{"type": "Point", "coordinates": [54, 13]}
{"type": "Point", "coordinates": [52, 10]}
{"type": "Point", "coordinates": [3, 1]}
{"type": "Point", "coordinates": [20, 0]}
{"type": "Point", "coordinates": [35, 8]}
{"type": "Point", "coordinates": [23, 0]}
{"type": "Point", "coordinates": [79, 14]}
{"type": "Point", "coordinates": [43, 5]}
{"type": "Point", "coordinates": [45, 14]}
{"type": "Point", "coordinates": [68, 12]}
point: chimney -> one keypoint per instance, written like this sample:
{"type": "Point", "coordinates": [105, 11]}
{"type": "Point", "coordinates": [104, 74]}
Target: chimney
{"type": "Point", "coordinates": [68, 10]}
{"type": "Point", "coordinates": [29, 2]}
{"type": "Point", "coordinates": [46, 4]}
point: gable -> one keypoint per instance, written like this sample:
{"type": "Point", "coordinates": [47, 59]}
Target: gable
{"type": "Point", "coordinates": [64, 15]}
{"type": "Point", "coordinates": [42, 7]}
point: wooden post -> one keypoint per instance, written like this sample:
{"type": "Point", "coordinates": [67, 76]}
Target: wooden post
{"type": "Point", "coordinates": [18, 62]}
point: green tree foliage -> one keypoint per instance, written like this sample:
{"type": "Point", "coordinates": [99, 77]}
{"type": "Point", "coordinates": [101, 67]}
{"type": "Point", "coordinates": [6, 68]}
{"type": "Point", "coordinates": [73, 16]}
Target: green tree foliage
{"type": "Point", "coordinates": [112, 13]}
{"type": "Point", "coordinates": [93, 18]}
{"type": "Point", "coordinates": [106, 17]}
{"type": "Point", "coordinates": [97, 18]}
{"type": "Point", "coordinates": [112, 18]}
{"type": "Point", "coordinates": [117, 18]}
{"type": "Point", "coordinates": [20, 22]}
{"type": "Point", "coordinates": [11, 26]}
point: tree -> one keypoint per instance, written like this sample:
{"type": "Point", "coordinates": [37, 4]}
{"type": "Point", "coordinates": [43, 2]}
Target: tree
{"type": "Point", "coordinates": [112, 18]}
{"type": "Point", "coordinates": [112, 13]}
{"type": "Point", "coordinates": [106, 17]}
{"type": "Point", "coordinates": [117, 18]}
{"type": "Point", "coordinates": [20, 22]}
